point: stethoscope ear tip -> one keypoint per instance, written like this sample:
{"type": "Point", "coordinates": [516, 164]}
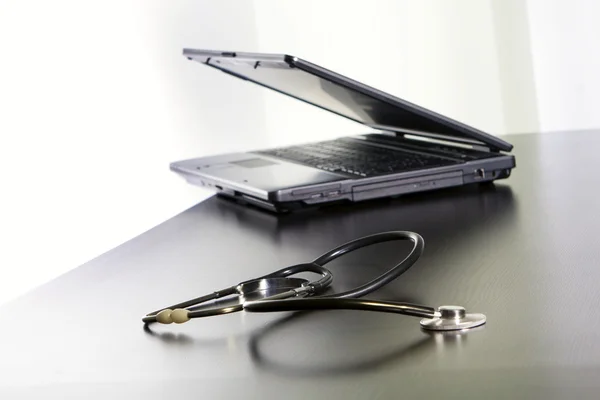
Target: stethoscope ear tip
{"type": "Point", "coordinates": [452, 318]}
{"type": "Point", "coordinates": [164, 316]}
{"type": "Point", "coordinates": [168, 316]}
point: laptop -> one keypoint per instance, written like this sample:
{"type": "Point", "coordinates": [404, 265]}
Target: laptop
{"type": "Point", "coordinates": [407, 148]}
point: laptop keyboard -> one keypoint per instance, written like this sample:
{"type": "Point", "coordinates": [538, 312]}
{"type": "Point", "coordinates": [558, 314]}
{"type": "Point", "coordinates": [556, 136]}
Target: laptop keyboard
{"type": "Point", "coordinates": [356, 158]}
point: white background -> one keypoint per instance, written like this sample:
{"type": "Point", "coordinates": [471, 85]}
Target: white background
{"type": "Point", "coordinates": [96, 99]}
{"type": "Point", "coordinates": [566, 59]}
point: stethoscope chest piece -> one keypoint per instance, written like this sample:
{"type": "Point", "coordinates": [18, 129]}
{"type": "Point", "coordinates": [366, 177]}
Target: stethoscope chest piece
{"type": "Point", "coordinates": [452, 318]}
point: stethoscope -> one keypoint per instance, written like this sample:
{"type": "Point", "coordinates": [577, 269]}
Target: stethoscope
{"type": "Point", "coordinates": [279, 291]}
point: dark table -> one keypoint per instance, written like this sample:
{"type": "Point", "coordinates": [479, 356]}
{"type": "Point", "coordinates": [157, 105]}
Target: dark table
{"type": "Point", "coordinates": [524, 251]}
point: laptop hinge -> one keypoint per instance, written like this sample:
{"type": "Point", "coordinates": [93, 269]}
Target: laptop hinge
{"type": "Point", "coordinates": [388, 133]}
{"type": "Point", "coordinates": [451, 143]}
{"type": "Point", "coordinates": [435, 138]}
{"type": "Point", "coordinates": [477, 147]}
{"type": "Point", "coordinates": [448, 138]}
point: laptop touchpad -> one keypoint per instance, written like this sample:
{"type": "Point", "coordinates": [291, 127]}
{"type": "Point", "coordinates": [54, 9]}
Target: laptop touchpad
{"type": "Point", "coordinates": [269, 175]}
{"type": "Point", "coordinates": [254, 163]}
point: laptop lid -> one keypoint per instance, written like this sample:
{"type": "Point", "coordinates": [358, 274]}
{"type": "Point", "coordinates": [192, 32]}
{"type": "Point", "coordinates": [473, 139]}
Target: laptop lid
{"type": "Point", "coordinates": [333, 92]}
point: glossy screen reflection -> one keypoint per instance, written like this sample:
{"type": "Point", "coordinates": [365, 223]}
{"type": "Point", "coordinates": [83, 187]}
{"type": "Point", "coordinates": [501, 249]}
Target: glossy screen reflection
{"type": "Point", "coordinates": [335, 97]}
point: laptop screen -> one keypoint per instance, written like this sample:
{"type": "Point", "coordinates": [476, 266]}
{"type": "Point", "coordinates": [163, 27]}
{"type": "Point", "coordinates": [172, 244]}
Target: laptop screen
{"type": "Point", "coordinates": [338, 94]}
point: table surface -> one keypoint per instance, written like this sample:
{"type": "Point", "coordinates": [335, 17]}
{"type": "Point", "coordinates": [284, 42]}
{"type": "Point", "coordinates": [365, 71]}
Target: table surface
{"type": "Point", "coordinates": [524, 251]}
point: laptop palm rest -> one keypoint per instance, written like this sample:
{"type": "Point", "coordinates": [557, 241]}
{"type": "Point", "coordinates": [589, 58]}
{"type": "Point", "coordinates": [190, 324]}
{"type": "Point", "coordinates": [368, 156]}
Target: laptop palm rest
{"type": "Point", "coordinates": [267, 175]}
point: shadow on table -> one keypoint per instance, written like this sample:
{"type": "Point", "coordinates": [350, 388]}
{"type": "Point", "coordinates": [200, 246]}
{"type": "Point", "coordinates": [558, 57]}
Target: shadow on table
{"type": "Point", "coordinates": [274, 350]}
{"type": "Point", "coordinates": [451, 221]}
{"type": "Point", "coordinates": [361, 358]}
{"type": "Point", "coordinates": [454, 222]}
{"type": "Point", "coordinates": [447, 219]}
{"type": "Point", "coordinates": [456, 212]}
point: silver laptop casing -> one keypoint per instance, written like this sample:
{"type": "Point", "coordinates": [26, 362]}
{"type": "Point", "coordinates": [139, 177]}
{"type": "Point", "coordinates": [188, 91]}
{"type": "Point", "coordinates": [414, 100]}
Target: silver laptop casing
{"type": "Point", "coordinates": [280, 185]}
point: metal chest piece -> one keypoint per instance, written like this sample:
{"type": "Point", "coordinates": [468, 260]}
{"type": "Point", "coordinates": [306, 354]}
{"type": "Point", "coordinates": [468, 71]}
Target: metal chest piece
{"type": "Point", "coordinates": [452, 318]}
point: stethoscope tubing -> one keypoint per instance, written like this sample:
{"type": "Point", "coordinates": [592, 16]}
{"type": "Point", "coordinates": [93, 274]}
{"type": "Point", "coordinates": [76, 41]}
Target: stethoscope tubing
{"type": "Point", "coordinates": [340, 304]}
{"type": "Point", "coordinates": [344, 300]}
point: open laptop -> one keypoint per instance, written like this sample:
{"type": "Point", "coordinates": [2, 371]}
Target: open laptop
{"type": "Point", "coordinates": [410, 149]}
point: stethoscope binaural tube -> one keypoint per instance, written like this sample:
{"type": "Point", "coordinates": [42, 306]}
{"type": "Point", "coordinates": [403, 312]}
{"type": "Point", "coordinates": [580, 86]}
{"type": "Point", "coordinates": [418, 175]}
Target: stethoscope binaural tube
{"type": "Point", "coordinates": [279, 279]}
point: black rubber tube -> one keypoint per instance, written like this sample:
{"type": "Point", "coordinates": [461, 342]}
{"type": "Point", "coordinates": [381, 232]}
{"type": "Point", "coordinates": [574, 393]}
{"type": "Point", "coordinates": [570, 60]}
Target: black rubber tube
{"type": "Point", "coordinates": [387, 277]}
{"type": "Point", "coordinates": [340, 304]}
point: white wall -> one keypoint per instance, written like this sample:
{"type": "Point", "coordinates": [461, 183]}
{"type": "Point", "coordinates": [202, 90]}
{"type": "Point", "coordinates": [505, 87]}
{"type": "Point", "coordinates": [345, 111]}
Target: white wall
{"type": "Point", "coordinates": [566, 59]}
{"type": "Point", "coordinates": [510, 22]}
{"type": "Point", "coordinates": [96, 100]}
{"type": "Point", "coordinates": [439, 54]}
